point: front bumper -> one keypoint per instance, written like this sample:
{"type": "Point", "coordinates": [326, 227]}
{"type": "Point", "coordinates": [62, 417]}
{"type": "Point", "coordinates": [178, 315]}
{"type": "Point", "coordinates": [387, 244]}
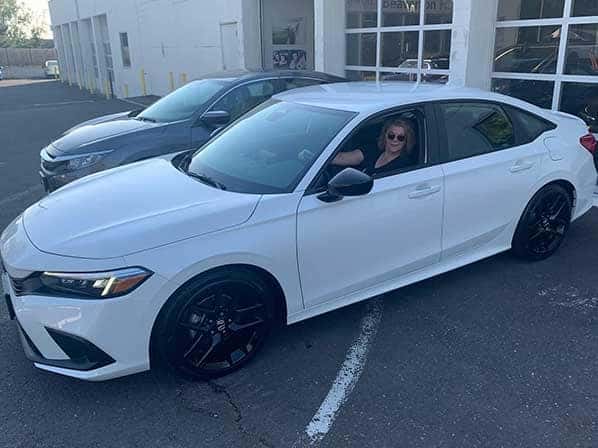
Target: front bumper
{"type": "Point", "coordinates": [87, 339]}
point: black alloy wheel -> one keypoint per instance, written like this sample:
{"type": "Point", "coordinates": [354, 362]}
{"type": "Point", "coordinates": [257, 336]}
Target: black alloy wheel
{"type": "Point", "coordinates": [215, 325]}
{"type": "Point", "coordinates": [544, 224]}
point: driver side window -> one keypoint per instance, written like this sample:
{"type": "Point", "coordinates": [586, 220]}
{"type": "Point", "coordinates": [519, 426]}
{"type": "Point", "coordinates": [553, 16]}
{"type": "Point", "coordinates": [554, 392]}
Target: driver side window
{"type": "Point", "coordinates": [382, 146]}
{"type": "Point", "coordinates": [245, 97]}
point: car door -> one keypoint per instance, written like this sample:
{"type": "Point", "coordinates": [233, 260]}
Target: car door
{"type": "Point", "coordinates": [488, 176]}
{"type": "Point", "coordinates": [361, 242]}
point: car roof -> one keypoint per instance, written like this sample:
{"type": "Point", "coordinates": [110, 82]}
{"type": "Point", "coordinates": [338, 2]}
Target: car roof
{"type": "Point", "coordinates": [250, 75]}
{"type": "Point", "coordinates": [371, 96]}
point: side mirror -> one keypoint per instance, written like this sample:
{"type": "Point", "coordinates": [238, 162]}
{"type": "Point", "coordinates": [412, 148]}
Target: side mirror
{"type": "Point", "coordinates": [349, 182]}
{"type": "Point", "coordinates": [216, 118]}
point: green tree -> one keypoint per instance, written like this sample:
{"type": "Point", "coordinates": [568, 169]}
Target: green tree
{"type": "Point", "coordinates": [17, 28]}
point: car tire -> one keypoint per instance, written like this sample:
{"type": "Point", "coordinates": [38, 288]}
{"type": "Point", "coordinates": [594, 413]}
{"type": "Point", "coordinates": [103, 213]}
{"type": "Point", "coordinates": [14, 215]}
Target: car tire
{"type": "Point", "coordinates": [213, 325]}
{"type": "Point", "coordinates": [544, 224]}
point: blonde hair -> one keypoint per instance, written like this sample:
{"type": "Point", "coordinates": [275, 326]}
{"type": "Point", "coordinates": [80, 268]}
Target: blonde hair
{"type": "Point", "coordinates": [409, 134]}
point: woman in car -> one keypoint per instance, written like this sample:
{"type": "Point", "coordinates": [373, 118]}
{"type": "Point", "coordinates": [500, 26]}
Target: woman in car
{"type": "Point", "coordinates": [396, 143]}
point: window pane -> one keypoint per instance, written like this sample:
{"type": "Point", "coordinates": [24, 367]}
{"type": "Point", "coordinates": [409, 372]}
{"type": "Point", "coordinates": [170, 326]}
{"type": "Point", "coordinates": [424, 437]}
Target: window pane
{"type": "Point", "coordinates": [398, 12]}
{"type": "Point", "coordinates": [581, 100]}
{"type": "Point", "coordinates": [582, 50]}
{"type": "Point", "coordinates": [400, 49]}
{"type": "Point", "coordinates": [585, 8]}
{"type": "Point", "coordinates": [536, 92]}
{"type": "Point", "coordinates": [475, 128]}
{"type": "Point", "coordinates": [530, 9]}
{"type": "Point", "coordinates": [440, 11]}
{"type": "Point", "coordinates": [437, 50]}
{"type": "Point", "coordinates": [527, 49]}
{"type": "Point", "coordinates": [244, 98]}
{"type": "Point", "coordinates": [361, 49]}
{"type": "Point", "coordinates": [353, 75]}
{"type": "Point", "coordinates": [362, 13]}
{"type": "Point", "coordinates": [124, 48]}
{"type": "Point", "coordinates": [530, 125]}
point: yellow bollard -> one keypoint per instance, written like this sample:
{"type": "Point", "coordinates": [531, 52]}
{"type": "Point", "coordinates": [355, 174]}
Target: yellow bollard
{"type": "Point", "coordinates": [171, 79]}
{"type": "Point", "coordinates": [126, 90]}
{"type": "Point", "coordinates": [143, 84]}
{"type": "Point", "coordinates": [183, 78]}
{"type": "Point", "coordinates": [107, 89]}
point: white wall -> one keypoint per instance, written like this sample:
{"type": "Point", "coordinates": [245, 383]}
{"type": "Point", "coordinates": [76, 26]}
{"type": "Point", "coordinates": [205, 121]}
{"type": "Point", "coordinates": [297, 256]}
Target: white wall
{"type": "Point", "coordinates": [178, 36]}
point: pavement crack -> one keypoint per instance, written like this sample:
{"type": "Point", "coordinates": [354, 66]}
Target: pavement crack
{"type": "Point", "coordinates": [222, 390]}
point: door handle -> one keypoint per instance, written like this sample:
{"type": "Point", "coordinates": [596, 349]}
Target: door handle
{"type": "Point", "coordinates": [424, 190]}
{"type": "Point", "coordinates": [521, 166]}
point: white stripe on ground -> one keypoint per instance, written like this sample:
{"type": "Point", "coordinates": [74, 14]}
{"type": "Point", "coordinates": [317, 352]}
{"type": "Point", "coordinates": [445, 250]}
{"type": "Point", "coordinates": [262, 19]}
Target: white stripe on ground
{"type": "Point", "coordinates": [23, 194]}
{"type": "Point", "coordinates": [63, 103]}
{"type": "Point", "coordinates": [348, 375]}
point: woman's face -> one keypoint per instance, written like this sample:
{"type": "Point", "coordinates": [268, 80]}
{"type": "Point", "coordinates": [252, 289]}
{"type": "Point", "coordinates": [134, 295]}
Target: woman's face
{"type": "Point", "coordinates": [395, 139]}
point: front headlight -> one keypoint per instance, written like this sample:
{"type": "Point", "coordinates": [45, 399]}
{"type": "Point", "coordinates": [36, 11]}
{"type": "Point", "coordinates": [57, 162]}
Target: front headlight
{"type": "Point", "coordinates": [86, 160]}
{"type": "Point", "coordinates": [93, 285]}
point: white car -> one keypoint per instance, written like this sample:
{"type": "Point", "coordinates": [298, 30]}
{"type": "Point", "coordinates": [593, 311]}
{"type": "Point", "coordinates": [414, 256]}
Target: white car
{"type": "Point", "coordinates": [51, 69]}
{"type": "Point", "coordinates": [187, 263]}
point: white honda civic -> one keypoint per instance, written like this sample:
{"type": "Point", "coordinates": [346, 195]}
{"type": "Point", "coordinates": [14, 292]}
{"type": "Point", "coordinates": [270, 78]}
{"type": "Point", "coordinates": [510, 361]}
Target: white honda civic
{"type": "Point", "coordinates": [319, 198]}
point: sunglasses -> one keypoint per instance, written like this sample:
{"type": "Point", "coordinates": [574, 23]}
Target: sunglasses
{"type": "Point", "coordinates": [392, 136]}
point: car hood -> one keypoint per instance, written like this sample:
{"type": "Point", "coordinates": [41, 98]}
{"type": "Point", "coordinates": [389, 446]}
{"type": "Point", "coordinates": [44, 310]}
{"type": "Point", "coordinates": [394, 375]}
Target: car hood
{"type": "Point", "coordinates": [80, 139]}
{"type": "Point", "coordinates": [103, 119]}
{"type": "Point", "coordinates": [130, 209]}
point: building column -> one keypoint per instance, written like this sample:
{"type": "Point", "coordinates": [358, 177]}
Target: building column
{"type": "Point", "coordinates": [329, 36]}
{"type": "Point", "coordinates": [472, 45]}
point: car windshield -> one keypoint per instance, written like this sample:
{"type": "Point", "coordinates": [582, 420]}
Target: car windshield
{"type": "Point", "coordinates": [184, 102]}
{"type": "Point", "coordinates": [268, 150]}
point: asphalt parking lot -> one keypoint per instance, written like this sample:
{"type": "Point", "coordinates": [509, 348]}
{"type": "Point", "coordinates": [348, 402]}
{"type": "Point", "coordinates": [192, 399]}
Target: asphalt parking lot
{"type": "Point", "coordinates": [497, 354]}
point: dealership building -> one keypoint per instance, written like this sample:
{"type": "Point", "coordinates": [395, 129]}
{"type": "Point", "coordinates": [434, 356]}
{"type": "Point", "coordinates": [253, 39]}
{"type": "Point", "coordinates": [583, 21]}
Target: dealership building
{"type": "Point", "coordinates": [543, 51]}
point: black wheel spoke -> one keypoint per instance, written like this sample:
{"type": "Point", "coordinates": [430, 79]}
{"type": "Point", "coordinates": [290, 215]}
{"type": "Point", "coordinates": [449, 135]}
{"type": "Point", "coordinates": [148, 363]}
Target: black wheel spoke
{"type": "Point", "coordinates": [235, 327]}
{"type": "Point", "coordinates": [216, 340]}
{"type": "Point", "coordinates": [249, 309]}
{"type": "Point", "coordinates": [197, 340]}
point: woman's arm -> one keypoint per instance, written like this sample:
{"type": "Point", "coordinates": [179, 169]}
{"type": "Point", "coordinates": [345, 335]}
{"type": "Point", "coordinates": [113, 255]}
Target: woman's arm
{"type": "Point", "coordinates": [349, 158]}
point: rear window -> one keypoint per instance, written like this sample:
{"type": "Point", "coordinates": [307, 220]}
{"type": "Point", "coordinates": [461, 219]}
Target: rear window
{"type": "Point", "coordinates": [529, 126]}
{"type": "Point", "coordinates": [476, 128]}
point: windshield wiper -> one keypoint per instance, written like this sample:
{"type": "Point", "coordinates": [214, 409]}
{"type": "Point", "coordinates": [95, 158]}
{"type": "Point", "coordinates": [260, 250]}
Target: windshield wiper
{"type": "Point", "coordinates": [207, 180]}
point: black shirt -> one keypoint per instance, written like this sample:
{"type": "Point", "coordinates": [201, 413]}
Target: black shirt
{"type": "Point", "coordinates": [371, 155]}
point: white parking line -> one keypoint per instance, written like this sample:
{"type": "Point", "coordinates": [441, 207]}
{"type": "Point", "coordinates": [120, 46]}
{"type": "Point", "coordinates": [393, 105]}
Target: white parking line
{"type": "Point", "coordinates": [63, 103]}
{"type": "Point", "coordinates": [347, 377]}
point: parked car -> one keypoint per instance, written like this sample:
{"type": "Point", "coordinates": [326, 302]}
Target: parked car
{"type": "Point", "coordinates": [436, 63]}
{"type": "Point", "coordinates": [182, 120]}
{"type": "Point", "coordinates": [187, 262]}
{"type": "Point", "coordinates": [51, 69]}
{"type": "Point", "coordinates": [1, 73]}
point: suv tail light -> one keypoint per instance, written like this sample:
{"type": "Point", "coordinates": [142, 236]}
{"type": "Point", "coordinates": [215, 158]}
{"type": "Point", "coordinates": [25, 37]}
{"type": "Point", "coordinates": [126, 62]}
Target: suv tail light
{"type": "Point", "coordinates": [589, 142]}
